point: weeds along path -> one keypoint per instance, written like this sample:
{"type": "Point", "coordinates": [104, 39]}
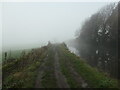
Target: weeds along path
{"type": "Point", "coordinates": [79, 74]}
{"type": "Point", "coordinates": [61, 80]}
{"type": "Point", "coordinates": [73, 78]}
{"type": "Point", "coordinates": [41, 70]}
{"type": "Point", "coordinates": [77, 77]}
{"type": "Point", "coordinates": [22, 72]}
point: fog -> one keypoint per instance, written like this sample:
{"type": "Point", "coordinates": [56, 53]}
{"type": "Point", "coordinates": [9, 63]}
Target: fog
{"type": "Point", "coordinates": [29, 25]}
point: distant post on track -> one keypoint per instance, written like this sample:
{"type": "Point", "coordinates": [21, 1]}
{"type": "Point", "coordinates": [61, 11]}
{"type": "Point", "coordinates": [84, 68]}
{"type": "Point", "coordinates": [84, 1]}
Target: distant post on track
{"type": "Point", "coordinates": [5, 55]}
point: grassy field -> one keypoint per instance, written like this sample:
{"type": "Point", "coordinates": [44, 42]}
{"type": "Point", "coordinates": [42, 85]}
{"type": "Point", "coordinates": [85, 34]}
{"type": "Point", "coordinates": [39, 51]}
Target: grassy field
{"type": "Point", "coordinates": [14, 53]}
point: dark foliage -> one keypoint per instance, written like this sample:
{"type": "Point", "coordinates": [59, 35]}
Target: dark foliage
{"type": "Point", "coordinates": [98, 39]}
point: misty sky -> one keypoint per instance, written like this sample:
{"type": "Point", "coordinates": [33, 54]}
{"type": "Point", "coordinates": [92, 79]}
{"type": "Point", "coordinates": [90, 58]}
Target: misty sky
{"type": "Point", "coordinates": [28, 24]}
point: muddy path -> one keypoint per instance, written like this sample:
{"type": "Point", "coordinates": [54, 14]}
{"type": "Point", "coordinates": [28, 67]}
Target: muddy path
{"type": "Point", "coordinates": [61, 80]}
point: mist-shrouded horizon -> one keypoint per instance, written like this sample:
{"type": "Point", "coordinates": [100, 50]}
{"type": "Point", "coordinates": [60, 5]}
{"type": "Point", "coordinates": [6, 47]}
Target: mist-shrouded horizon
{"type": "Point", "coordinates": [29, 25]}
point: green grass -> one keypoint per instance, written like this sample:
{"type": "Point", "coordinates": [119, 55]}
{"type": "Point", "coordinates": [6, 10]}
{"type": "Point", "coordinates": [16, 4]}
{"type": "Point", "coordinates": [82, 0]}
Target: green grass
{"type": "Point", "coordinates": [24, 78]}
{"type": "Point", "coordinates": [93, 77]}
{"type": "Point", "coordinates": [49, 79]}
{"type": "Point", "coordinates": [65, 70]}
{"type": "Point", "coordinates": [14, 54]}
{"type": "Point", "coordinates": [22, 72]}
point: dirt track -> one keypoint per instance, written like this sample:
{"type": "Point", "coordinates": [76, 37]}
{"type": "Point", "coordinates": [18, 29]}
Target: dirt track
{"type": "Point", "coordinates": [61, 80]}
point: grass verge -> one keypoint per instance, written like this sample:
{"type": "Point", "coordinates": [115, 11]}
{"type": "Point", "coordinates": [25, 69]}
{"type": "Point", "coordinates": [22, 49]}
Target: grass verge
{"type": "Point", "coordinates": [94, 78]}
